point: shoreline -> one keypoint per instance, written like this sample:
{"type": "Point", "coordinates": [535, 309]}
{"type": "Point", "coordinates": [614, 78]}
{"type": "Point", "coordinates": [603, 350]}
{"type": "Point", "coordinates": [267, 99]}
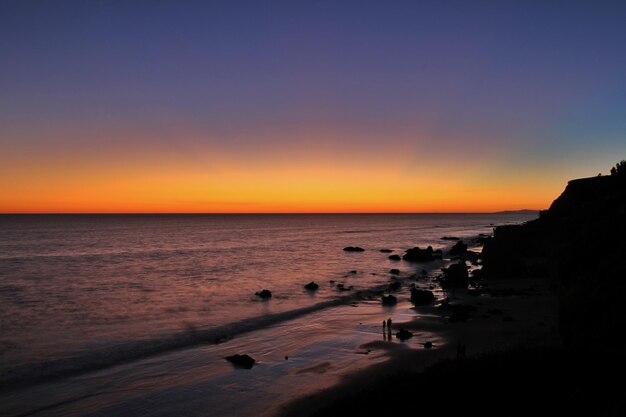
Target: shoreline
{"type": "Point", "coordinates": [534, 326]}
{"type": "Point", "coordinates": [569, 265]}
{"type": "Point", "coordinates": [321, 345]}
{"type": "Point", "coordinates": [340, 351]}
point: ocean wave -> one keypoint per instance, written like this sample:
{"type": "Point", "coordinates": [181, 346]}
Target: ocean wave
{"type": "Point", "coordinates": [112, 355]}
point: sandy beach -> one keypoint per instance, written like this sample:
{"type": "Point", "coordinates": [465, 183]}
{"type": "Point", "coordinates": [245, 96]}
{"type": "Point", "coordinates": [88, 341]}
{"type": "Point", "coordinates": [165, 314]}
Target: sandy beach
{"type": "Point", "coordinates": [499, 322]}
{"type": "Point", "coordinates": [304, 363]}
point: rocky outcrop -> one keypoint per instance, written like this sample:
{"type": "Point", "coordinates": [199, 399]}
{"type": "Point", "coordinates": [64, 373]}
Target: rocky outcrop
{"type": "Point", "coordinates": [311, 286]}
{"type": "Point", "coordinates": [455, 276]}
{"type": "Point", "coordinates": [459, 248]}
{"type": "Point", "coordinates": [421, 297]}
{"type": "Point", "coordinates": [504, 255]}
{"type": "Point", "coordinates": [579, 244]}
{"type": "Point", "coordinates": [417, 254]}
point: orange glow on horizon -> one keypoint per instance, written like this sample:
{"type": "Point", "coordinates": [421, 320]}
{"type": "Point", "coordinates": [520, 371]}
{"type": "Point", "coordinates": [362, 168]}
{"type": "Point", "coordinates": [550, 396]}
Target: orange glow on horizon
{"type": "Point", "coordinates": [300, 179]}
{"type": "Point", "coordinates": [294, 188]}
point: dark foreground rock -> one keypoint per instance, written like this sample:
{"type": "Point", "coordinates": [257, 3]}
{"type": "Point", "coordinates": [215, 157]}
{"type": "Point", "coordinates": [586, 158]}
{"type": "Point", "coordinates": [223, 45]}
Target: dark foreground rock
{"type": "Point", "coordinates": [264, 294]}
{"type": "Point", "coordinates": [394, 257]}
{"type": "Point", "coordinates": [353, 249]}
{"type": "Point", "coordinates": [241, 361]}
{"type": "Point", "coordinates": [385, 250]}
{"type": "Point", "coordinates": [311, 286]}
{"type": "Point", "coordinates": [421, 297]}
{"type": "Point", "coordinates": [455, 276]}
{"type": "Point", "coordinates": [404, 334]}
{"type": "Point", "coordinates": [389, 300]}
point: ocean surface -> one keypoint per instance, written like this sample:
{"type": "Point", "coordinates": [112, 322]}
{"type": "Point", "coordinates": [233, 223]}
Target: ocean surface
{"type": "Point", "coordinates": [85, 292]}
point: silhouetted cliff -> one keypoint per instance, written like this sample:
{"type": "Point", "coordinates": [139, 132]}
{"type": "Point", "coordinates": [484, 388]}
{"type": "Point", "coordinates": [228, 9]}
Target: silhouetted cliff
{"type": "Point", "coordinates": [579, 243]}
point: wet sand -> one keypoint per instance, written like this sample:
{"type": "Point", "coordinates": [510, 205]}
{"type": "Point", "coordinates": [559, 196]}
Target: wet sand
{"type": "Point", "coordinates": [294, 358]}
{"type": "Point", "coordinates": [302, 364]}
{"type": "Point", "coordinates": [497, 323]}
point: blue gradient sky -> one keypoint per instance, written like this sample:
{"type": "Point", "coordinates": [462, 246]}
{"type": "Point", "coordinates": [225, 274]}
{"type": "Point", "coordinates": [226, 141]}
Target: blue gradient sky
{"type": "Point", "coordinates": [162, 104]}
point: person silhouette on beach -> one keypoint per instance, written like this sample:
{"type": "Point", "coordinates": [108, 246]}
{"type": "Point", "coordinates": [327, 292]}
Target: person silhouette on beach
{"type": "Point", "coordinates": [389, 326]}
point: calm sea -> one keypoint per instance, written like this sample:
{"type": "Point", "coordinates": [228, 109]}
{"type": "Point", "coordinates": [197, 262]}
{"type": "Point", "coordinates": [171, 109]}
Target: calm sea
{"type": "Point", "coordinates": [81, 291]}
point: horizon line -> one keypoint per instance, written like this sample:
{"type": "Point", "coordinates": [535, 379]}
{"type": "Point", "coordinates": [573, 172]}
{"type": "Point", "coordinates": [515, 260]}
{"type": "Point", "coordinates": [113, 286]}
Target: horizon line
{"type": "Point", "coordinates": [266, 213]}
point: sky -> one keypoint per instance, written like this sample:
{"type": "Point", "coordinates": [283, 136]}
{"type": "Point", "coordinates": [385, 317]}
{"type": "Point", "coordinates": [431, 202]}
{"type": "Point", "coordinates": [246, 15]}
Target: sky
{"type": "Point", "coordinates": [306, 106]}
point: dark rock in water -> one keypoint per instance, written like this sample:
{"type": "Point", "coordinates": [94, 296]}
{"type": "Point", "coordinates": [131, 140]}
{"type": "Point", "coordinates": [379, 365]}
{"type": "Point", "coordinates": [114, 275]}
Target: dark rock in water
{"type": "Point", "coordinates": [394, 257]}
{"type": "Point", "coordinates": [353, 272]}
{"type": "Point", "coordinates": [459, 248]}
{"type": "Point", "coordinates": [421, 297]}
{"type": "Point", "coordinates": [428, 345]}
{"type": "Point", "coordinates": [404, 334]}
{"type": "Point", "coordinates": [450, 238]}
{"type": "Point", "coordinates": [342, 287]}
{"type": "Point", "coordinates": [353, 249]}
{"type": "Point", "coordinates": [386, 250]}
{"type": "Point", "coordinates": [265, 294]}
{"type": "Point", "coordinates": [311, 286]}
{"type": "Point", "coordinates": [394, 286]}
{"type": "Point", "coordinates": [417, 254]}
{"type": "Point", "coordinates": [394, 271]}
{"type": "Point", "coordinates": [389, 300]}
{"type": "Point", "coordinates": [455, 276]}
{"type": "Point", "coordinates": [241, 361]}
